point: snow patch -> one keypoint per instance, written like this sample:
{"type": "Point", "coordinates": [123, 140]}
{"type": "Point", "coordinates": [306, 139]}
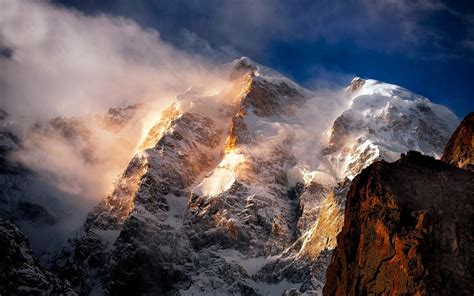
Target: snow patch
{"type": "Point", "coordinates": [222, 177]}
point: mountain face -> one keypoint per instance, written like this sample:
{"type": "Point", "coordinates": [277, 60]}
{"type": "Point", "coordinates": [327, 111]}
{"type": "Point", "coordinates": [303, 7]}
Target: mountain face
{"type": "Point", "coordinates": [20, 272]}
{"type": "Point", "coordinates": [460, 149]}
{"type": "Point", "coordinates": [408, 226]}
{"type": "Point", "coordinates": [240, 192]}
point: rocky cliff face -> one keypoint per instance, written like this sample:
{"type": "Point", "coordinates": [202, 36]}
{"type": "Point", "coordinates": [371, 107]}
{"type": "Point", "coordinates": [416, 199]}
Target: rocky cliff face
{"type": "Point", "coordinates": [20, 273]}
{"type": "Point", "coordinates": [460, 149]}
{"type": "Point", "coordinates": [407, 230]}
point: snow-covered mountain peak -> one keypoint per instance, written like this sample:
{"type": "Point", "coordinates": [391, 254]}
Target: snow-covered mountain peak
{"type": "Point", "coordinates": [380, 98]}
{"type": "Point", "coordinates": [243, 63]}
{"type": "Point", "coordinates": [382, 121]}
{"type": "Point", "coordinates": [264, 74]}
{"type": "Point", "coordinates": [245, 175]}
{"type": "Point", "coordinates": [374, 87]}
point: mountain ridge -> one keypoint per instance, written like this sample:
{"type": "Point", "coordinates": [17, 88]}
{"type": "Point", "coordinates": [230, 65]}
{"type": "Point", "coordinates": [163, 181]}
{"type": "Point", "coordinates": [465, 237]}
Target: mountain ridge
{"type": "Point", "coordinates": [242, 191]}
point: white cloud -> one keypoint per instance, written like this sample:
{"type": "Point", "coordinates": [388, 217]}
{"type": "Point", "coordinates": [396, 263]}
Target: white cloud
{"type": "Point", "coordinates": [65, 62]}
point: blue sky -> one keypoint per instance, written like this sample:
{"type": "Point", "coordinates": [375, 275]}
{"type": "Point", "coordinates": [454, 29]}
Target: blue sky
{"type": "Point", "coordinates": [425, 46]}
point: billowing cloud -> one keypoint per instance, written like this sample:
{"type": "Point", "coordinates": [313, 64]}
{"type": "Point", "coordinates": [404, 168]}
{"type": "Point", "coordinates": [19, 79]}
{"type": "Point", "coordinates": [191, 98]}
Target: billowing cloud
{"type": "Point", "coordinates": [60, 62]}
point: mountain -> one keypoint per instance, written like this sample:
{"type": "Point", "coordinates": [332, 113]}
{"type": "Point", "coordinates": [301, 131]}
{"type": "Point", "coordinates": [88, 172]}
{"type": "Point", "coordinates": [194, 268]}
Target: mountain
{"type": "Point", "coordinates": [408, 226]}
{"type": "Point", "coordinates": [383, 121]}
{"type": "Point", "coordinates": [19, 270]}
{"type": "Point", "coordinates": [236, 192]}
{"type": "Point", "coordinates": [242, 192]}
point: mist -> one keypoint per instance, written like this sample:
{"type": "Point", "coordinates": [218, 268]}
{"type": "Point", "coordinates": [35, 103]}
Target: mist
{"type": "Point", "coordinates": [62, 71]}
{"type": "Point", "coordinates": [60, 63]}
{"type": "Point", "coordinates": [63, 63]}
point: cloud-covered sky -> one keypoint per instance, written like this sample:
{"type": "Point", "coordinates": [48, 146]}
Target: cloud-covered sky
{"type": "Point", "coordinates": [426, 46]}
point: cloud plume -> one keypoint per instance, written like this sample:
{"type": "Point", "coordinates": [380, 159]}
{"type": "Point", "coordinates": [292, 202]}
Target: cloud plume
{"type": "Point", "coordinates": [58, 62]}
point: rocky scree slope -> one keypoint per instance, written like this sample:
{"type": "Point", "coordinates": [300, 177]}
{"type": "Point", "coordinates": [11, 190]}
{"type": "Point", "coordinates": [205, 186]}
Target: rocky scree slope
{"type": "Point", "coordinates": [408, 226]}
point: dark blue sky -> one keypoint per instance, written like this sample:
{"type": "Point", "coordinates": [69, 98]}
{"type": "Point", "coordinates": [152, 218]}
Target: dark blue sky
{"type": "Point", "coordinates": [426, 46]}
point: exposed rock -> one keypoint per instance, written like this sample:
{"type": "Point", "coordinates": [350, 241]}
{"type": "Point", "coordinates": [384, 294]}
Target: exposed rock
{"type": "Point", "coordinates": [20, 273]}
{"type": "Point", "coordinates": [30, 211]}
{"type": "Point", "coordinates": [407, 230]}
{"type": "Point", "coordinates": [460, 149]}
{"type": "Point", "coordinates": [273, 99]}
{"type": "Point", "coordinates": [356, 84]}
{"type": "Point", "coordinates": [307, 259]}
{"type": "Point", "coordinates": [242, 67]}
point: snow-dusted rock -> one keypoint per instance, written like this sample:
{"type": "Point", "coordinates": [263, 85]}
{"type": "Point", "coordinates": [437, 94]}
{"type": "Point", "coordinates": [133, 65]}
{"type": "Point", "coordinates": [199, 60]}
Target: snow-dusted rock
{"type": "Point", "coordinates": [383, 121]}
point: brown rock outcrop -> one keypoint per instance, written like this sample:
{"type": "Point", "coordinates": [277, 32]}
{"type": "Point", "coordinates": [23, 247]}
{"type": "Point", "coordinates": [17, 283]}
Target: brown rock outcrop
{"type": "Point", "coordinates": [407, 231]}
{"type": "Point", "coordinates": [460, 148]}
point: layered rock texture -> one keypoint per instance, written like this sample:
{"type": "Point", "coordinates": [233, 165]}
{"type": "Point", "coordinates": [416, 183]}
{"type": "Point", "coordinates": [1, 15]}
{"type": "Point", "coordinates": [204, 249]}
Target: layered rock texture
{"type": "Point", "coordinates": [408, 226]}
